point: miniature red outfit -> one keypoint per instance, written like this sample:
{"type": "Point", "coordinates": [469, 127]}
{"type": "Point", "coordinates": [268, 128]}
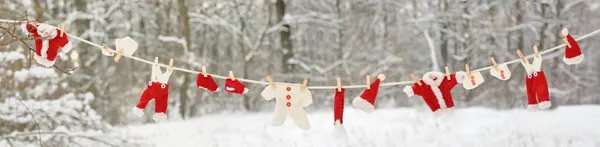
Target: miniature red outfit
{"type": "Point", "coordinates": [235, 86]}
{"type": "Point", "coordinates": [536, 84]}
{"type": "Point", "coordinates": [48, 42]}
{"type": "Point", "coordinates": [158, 89]}
{"type": "Point", "coordinates": [436, 89]}
{"type": "Point", "coordinates": [207, 83]}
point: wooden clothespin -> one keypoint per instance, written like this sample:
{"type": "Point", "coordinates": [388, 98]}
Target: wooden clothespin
{"type": "Point", "coordinates": [369, 82]}
{"type": "Point", "coordinates": [304, 84]}
{"type": "Point", "coordinates": [494, 64]}
{"type": "Point", "coordinates": [535, 51]}
{"type": "Point", "coordinates": [156, 61]}
{"type": "Point", "coordinates": [104, 47]}
{"type": "Point", "coordinates": [119, 54]}
{"type": "Point", "coordinates": [271, 81]}
{"type": "Point", "coordinates": [231, 76]}
{"type": "Point", "coordinates": [522, 57]}
{"type": "Point", "coordinates": [415, 79]}
{"type": "Point", "coordinates": [170, 68]}
{"type": "Point", "coordinates": [63, 29]}
{"type": "Point", "coordinates": [565, 32]}
{"type": "Point", "coordinates": [447, 73]}
{"type": "Point", "coordinates": [204, 71]}
{"type": "Point", "coordinates": [468, 70]}
{"type": "Point", "coordinates": [339, 84]}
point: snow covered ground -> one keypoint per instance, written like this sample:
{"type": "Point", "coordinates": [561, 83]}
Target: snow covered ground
{"type": "Point", "coordinates": [575, 126]}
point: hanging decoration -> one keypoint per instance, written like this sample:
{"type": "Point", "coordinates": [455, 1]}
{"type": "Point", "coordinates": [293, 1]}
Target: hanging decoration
{"type": "Point", "coordinates": [366, 101]}
{"type": "Point", "coordinates": [290, 100]}
{"type": "Point", "coordinates": [338, 110]}
{"type": "Point", "coordinates": [573, 53]}
{"type": "Point", "coordinates": [233, 85]}
{"type": "Point", "coordinates": [158, 89]}
{"type": "Point", "coordinates": [125, 46]}
{"type": "Point", "coordinates": [49, 40]}
{"type": "Point", "coordinates": [535, 81]}
{"type": "Point", "coordinates": [499, 71]}
{"type": "Point", "coordinates": [435, 89]}
{"type": "Point", "coordinates": [206, 82]}
{"type": "Point", "coordinates": [473, 78]}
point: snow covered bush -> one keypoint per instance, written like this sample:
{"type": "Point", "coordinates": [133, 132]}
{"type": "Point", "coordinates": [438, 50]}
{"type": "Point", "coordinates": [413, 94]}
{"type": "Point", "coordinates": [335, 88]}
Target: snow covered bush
{"type": "Point", "coordinates": [69, 113]}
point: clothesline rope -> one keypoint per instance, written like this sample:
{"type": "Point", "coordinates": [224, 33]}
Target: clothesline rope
{"type": "Point", "coordinates": [545, 51]}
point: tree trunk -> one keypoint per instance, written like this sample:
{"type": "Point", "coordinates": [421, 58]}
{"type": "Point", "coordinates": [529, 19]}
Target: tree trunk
{"type": "Point", "coordinates": [183, 98]}
{"type": "Point", "coordinates": [38, 8]}
{"type": "Point", "coordinates": [183, 12]}
{"type": "Point", "coordinates": [542, 43]}
{"type": "Point", "coordinates": [286, 43]}
{"type": "Point", "coordinates": [340, 35]}
{"type": "Point", "coordinates": [520, 33]}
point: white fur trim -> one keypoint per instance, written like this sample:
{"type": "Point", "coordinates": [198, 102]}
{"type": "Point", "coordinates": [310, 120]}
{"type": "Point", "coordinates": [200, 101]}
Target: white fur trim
{"type": "Point", "coordinates": [159, 117]}
{"type": "Point", "coordinates": [229, 88]}
{"type": "Point", "coordinates": [363, 104]}
{"type": "Point", "coordinates": [545, 105]}
{"type": "Point", "coordinates": [43, 28]}
{"type": "Point", "coordinates": [574, 60]}
{"type": "Point", "coordinates": [339, 130]}
{"type": "Point", "coordinates": [45, 46]}
{"type": "Point", "coordinates": [67, 48]}
{"type": "Point", "coordinates": [137, 111]}
{"type": "Point", "coordinates": [245, 90]}
{"type": "Point", "coordinates": [532, 107]}
{"type": "Point", "coordinates": [428, 78]}
{"type": "Point", "coordinates": [207, 89]}
{"type": "Point", "coordinates": [24, 28]}
{"type": "Point", "coordinates": [43, 61]}
{"type": "Point", "coordinates": [408, 90]}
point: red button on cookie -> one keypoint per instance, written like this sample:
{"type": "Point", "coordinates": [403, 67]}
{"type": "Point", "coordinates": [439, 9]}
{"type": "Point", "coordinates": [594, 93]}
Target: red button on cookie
{"type": "Point", "coordinates": [288, 88]}
{"type": "Point", "coordinates": [288, 97]}
{"type": "Point", "coordinates": [288, 104]}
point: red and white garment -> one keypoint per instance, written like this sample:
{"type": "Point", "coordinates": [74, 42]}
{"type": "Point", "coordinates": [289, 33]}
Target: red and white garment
{"type": "Point", "coordinates": [338, 112]}
{"type": "Point", "coordinates": [235, 86]}
{"type": "Point", "coordinates": [573, 55]}
{"type": "Point", "coordinates": [206, 83]}
{"type": "Point", "coordinates": [48, 42]}
{"type": "Point", "coordinates": [290, 100]}
{"type": "Point", "coordinates": [366, 101]}
{"type": "Point", "coordinates": [158, 89]}
{"type": "Point", "coordinates": [536, 84]}
{"type": "Point", "coordinates": [436, 89]}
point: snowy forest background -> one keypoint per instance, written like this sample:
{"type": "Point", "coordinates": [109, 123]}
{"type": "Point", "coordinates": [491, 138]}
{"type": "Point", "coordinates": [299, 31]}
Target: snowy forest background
{"type": "Point", "coordinates": [289, 40]}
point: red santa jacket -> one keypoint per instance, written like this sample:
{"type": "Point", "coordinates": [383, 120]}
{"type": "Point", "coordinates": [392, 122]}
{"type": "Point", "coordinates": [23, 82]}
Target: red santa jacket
{"type": "Point", "coordinates": [435, 89]}
{"type": "Point", "coordinates": [48, 39]}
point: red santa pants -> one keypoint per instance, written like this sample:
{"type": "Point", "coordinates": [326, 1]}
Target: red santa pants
{"type": "Point", "coordinates": [157, 91]}
{"type": "Point", "coordinates": [537, 86]}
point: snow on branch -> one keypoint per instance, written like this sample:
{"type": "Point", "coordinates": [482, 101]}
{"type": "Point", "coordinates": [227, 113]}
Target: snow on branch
{"type": "Point", "coordinates": [174, 39]}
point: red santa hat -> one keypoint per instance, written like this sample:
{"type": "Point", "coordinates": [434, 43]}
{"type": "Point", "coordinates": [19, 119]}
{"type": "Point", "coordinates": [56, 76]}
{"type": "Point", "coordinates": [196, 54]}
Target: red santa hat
{"type": "Point", "coordinates": [30, 28]}
{"type": "Point", "coordinates": [338, 113]}
{"type": "Point", "coordinates": [366, 101]}
{"type": "Point", "coordinates": [573, 55]}
{"type": "Point", "coordinates": [207, 83]}
{"type": "Point", "coordinates": [235, 86]}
